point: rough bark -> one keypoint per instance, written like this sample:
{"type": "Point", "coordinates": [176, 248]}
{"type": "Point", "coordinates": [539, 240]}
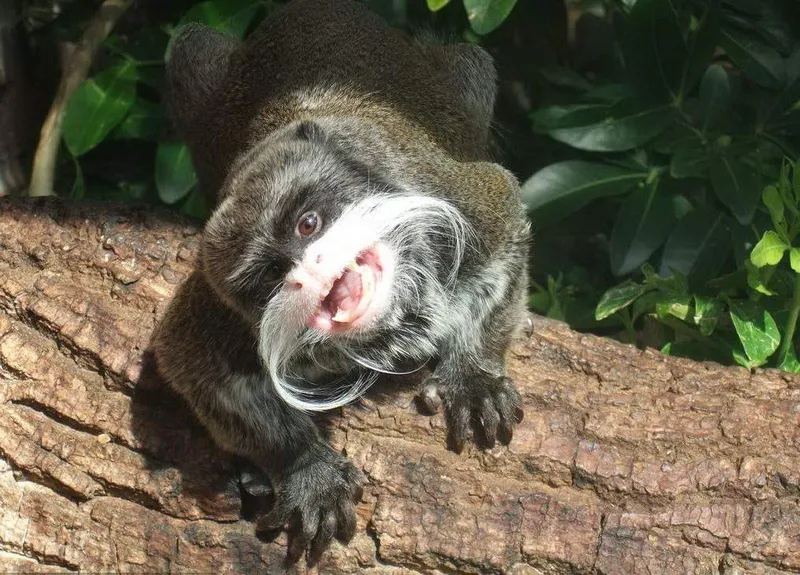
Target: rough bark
{"type": "Point", "coordinates": [627, 461]}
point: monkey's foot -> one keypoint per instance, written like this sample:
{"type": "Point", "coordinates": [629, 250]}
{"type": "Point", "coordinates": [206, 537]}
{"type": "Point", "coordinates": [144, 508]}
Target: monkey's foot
{"type": "Point", "coordinates": [488, 404]}
{"type": "Point", "coordinates": [317, 500]}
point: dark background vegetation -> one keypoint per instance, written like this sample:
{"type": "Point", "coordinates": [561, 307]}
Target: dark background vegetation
{"type": "Point", "coordinates": [654, 140]}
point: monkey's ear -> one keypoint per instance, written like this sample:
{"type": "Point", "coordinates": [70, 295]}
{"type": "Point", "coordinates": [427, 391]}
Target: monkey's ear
{"type": "Point", "coordinates": [471, 70]}
{"type": "Point", "coordinates": [197, 61]}
{"type": "Point", "coordinates": [477, 78]}
{"type": "Point", "coordinates": [309, 130]}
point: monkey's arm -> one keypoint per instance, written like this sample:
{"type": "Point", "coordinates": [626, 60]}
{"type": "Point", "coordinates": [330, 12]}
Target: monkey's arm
{"type": "Point", "coordinates": [470, 375]}
{"type": "Point", "coordinates": [207, 354]}
{"type": "Point", "coordinates": [485, 311]}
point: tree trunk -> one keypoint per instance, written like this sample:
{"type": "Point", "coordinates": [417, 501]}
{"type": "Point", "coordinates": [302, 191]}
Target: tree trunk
{"type": "Point", "coordinates": [627, 461]}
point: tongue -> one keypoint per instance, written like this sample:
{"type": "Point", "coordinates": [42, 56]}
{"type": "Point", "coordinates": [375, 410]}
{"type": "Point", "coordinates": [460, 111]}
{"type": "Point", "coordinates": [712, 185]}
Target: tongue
{"type": "Point", "coordinates": [351, 294]}
{"type": "Point", "coordinates": [345, 295]}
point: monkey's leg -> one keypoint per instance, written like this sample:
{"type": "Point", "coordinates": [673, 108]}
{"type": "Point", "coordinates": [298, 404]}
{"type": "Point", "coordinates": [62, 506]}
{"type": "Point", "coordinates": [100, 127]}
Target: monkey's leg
{"type": "Point", "coordinates": [470, 377]}
{"type": "Point", "coordinates": [207, 354]}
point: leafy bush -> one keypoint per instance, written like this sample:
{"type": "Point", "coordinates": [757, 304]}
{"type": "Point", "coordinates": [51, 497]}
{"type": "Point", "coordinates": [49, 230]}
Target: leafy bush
{"type": "Point", "coordinates": [125, 103]}
{"type": "Point", "coordinates": [678, 142]}
{"type": "Point", "coordinates": [751, 314]}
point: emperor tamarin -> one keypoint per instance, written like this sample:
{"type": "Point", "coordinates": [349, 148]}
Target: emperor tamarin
{"type": "Point", "coordinates": [359, 228]}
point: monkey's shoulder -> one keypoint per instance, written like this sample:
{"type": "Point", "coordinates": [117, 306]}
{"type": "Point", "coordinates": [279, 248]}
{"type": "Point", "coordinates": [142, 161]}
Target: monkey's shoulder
{"type": "Point", "coordinates": [201, 334]}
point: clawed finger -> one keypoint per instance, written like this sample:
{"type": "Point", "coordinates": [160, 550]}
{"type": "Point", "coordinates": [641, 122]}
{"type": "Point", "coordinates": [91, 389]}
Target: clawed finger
{"type": "Point", "coordinates": [458, 424]}
{"type": "Point", "coordinates": [273, 521]}
{"type": "Point", "coordinates": [429, 398]}
{"type": "Point", "coordinates": [302, 530]}
{"type": "Point", "coordinates": [322, 539]}
{"type": "Point", "coordinates": [346, 522]}
{"type": "Point", "coordinates": [490, 420]}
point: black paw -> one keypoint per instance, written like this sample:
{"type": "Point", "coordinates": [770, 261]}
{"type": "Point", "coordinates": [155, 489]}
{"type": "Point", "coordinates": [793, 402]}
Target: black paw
{"type": "Point", "coordinates": [317, 500]}
{"type": "Point", "coordinates": [489, 405]}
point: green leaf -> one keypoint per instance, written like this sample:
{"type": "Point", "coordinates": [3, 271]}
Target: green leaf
{"type": "Point", "coordinates": [758, 278]}
{"type": "Point", "coordinates": [227, 16]}
{"type": "Point", "coordinates": [756, 329]}
{"type": "Point", "coordinates": [565, 77]}
{"type": "Point", "coordinates": [618, 298]}
{"type": "Point", "coordinates": [796, 181]}
{"type": "Point", "coordinates": [698, 351]}
{"type": "Point", "coordinates": [790, 197]}
{"type": "Point", "coordinates": [769, 250]}
{"type": "Point", "coordinates": [610, 129]}
{"type": "Point", "coordinates": [702, 44]}
{"type": "Point", "coordinates": [653, 47]}
{"type": "Point", "coordinates": [675, 137]}
{"type": "Point", "coordinates": [790, 96]}
{"type": "Point", "coordinates": [681, 206]}
{"type": "Point", "coordinates": [678, 306]}
{"type": "Point", "coordinates": [690, 160]}
{"type": "Point", "coordinates": [612, 93]}
{"type": "Point", "coordinates": [760, 62]}
{"type": "Point", "coordinates": [642, 225]}
{"type": "Point", "coordinates": [740, 357]}
{"type": "Point", "coordinates": [698, 246]}
{"type": "Point", "coordinates": [145, 121]}
{"type": "Point", "coordinates": [674, 284]}
{"type": "Point", "coordinates": [794, 259]}
{"type": "Point", "coordinates": [486, 15]}
{"type": "Point", "coordinates": [647, 303]}
{"type": "Point", "coordinates": [78, 190]}
{"type": "Point", "coordinates": [195, 205]}
{"type": "Point", "coordinates": [772, 20]}
{"type": "Point", "coordinates": [772, 199]}
{"type": "Point", "coordinates": [435, 5]}
{"type": "Point", "coordinates": [566, 186]}
{"type": "Point", "coordinates": [737, 186]}
{"type": "Point", "coordinates": [707, 311]}
{"type": "Point", "coordinates": [789, 361]}
{"type": "Point", "coordinates": [97, 106]}
{"type": "Point", "coordinates": [715, 96]}
{"type": "Point", "coordinates": [553, 117]}
{"type": "Point", "coordinates": [539, 301]}
{"type": "Point", "coordinates": [174, 172]}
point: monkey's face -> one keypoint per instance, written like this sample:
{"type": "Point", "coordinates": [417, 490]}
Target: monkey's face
{"type": "Point", "coordinates": [321, 250]}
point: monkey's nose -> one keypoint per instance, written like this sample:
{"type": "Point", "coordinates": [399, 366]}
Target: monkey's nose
{"type": "Point", "coordinates": [301, 277]}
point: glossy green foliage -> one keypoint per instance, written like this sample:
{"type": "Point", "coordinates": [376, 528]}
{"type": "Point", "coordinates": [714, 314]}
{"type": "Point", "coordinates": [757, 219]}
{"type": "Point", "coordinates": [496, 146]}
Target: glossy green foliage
{"type": "Point", "coordinates": [486, 15]}
{"type": "Point", "coordinates": [124, 104]}
{"type": "Point", "coordinates": [673, 145]}
{"type": "Point", "coordinates": [98, 106]}
{"type": "Point", "coordinates": [748, 317]}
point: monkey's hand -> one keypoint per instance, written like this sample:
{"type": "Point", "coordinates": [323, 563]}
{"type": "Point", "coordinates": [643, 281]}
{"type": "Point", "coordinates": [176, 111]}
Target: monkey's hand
{"type": "Point", "coordinates": [489, 404]}
{"type": "Point", "coordinates": [317, 499]}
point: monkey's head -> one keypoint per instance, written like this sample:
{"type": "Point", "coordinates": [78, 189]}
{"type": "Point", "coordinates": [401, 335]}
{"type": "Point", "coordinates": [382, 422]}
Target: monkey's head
{"type": "Point", "coordinates": [330, 257]}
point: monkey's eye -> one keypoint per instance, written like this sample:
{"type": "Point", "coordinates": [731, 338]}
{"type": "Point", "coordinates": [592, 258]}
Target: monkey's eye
{"type": "Point", "coordinates": [308, 224]}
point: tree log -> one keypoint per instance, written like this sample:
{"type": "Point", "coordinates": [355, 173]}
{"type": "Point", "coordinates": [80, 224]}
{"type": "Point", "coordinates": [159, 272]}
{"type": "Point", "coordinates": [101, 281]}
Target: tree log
{"type": "Point", "coordinates": [627, 461]}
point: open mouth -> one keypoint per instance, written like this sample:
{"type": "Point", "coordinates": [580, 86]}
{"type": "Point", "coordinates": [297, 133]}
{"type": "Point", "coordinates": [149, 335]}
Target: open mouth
{"type": "Point", "coordinates": [349, 298]}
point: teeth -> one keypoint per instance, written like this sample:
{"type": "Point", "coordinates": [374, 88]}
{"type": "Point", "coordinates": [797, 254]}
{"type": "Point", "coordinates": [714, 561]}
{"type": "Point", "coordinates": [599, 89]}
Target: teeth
{"type": "Point", "coordinates": [367, 291]}
{"type": "Point", "coordinates": [342, 316]}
